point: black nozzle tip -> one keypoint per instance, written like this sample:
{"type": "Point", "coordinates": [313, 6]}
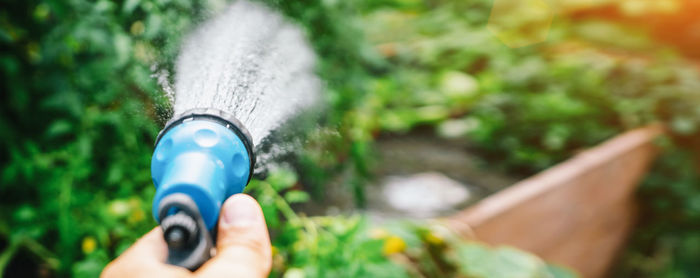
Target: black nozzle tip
{"type": "Point", "coordinates": [179, 230]}
{"type": "Point", "coordinates": [176, 237]}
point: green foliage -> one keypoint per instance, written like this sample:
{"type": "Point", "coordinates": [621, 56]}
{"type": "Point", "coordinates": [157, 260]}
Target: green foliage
{"type": "Point", "coordinates": [667, 243]}
{"type": "Point", "coordinates": [501, 262]}
{"type": "Point", "coordinates": [526, 109]}
{"type": "Point", "coordinates": [80, 111]}
{"type": "Point", "coordinates": [317, 246]}
{"type": "Point", "coordinates": [78, 125]}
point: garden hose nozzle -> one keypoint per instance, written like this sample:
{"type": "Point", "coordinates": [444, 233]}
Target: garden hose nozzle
{"type": "Point", "coordinates": [202, 157]}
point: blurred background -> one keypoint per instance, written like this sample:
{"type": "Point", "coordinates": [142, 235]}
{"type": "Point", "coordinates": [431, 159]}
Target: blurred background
{"type": "Point", "coordinates": [469, 96]}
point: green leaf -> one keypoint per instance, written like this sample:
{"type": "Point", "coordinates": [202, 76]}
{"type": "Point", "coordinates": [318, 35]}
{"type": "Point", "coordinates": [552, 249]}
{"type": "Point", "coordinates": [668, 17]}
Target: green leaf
{"type": "Point", "coordinates": [129, 6]}
{"type": "Point", "coordinates": [282, 179]}
{"type": "Point", "coordinates": [556, 271]}
{"type": "Point", "coordinates": [296, 196]}
{"type": "Point", "coordinates": [477, 260]}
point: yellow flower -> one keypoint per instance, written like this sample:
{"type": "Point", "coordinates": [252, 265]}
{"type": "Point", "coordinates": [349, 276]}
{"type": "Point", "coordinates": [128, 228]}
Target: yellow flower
{"type": "Point", "coordinates": [393, 245]}
{"type": "Point", "coordinates": [89, 244]}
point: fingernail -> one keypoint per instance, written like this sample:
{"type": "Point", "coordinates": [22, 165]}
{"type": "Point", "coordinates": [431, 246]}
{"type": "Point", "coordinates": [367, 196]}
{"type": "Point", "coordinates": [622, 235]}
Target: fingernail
{"type": "Point", "coordinates": [240, 211]}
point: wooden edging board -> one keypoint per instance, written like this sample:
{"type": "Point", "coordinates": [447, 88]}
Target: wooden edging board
{"type": "Point", "coordinates": [577, 213]}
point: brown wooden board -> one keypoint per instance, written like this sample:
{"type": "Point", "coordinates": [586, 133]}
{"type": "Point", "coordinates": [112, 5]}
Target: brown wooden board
{"type": "Point", "coordinates": [577, 213]}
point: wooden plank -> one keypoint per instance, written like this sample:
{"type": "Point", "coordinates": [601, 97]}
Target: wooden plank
{"type": "Point", "coordinates": [593, 247]}
{"type": "Point", "coordinates": [577, 213]}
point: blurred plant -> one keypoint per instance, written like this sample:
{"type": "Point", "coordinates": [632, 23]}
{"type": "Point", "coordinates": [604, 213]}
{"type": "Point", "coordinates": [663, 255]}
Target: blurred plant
{"type": "Point", "coordinates": [668, 239]}
{"type": "Point", "coordinates": [347, 246]}
{"type": "Point", "coordinates": [77, 126]}
{"type": "Point", "coordinates": [521, 23]}
{"type": "Point", "coordinates": [526, 109]}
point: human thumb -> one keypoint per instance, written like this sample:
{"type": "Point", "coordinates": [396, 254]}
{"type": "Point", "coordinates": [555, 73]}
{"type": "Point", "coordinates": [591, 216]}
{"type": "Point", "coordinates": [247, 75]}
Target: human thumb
{"type": "Point", "coordinates": [243, 243]}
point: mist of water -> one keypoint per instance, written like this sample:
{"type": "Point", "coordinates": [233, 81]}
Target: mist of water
{"type": "Point", "coordinates": [250, 62]}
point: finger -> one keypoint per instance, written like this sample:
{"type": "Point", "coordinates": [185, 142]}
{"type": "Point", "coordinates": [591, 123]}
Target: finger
{"type": "Point", "coordinates": [243, 243]}
{"type": "Point", "coordinates": [152, 244]}
{"type": "Point", "coordinates": [144, 258]}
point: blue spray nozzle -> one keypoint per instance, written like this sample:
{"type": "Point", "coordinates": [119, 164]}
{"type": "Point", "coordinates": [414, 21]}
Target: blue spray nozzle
{"type": "Point", "coordinates": [204, 156]}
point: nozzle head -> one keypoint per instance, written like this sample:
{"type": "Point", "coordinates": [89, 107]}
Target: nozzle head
{"type": "Point", "coordinates": [217, 116]}
{"type": "Point", "coordinates": [203, 158]}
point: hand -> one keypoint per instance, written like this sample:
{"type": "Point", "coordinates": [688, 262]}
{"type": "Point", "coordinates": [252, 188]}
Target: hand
{"type": "Point", "coordinates": [243, 248]}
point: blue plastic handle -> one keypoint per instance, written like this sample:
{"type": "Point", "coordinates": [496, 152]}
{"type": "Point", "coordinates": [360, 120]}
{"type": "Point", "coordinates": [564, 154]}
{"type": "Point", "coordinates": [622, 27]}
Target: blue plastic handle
{"type": "Point", "coordinates": [204, 160]}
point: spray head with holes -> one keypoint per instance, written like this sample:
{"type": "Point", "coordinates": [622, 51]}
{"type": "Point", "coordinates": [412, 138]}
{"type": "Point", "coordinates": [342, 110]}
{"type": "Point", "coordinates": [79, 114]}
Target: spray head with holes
{"type": "Point", "coordinates": [202, 157]}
